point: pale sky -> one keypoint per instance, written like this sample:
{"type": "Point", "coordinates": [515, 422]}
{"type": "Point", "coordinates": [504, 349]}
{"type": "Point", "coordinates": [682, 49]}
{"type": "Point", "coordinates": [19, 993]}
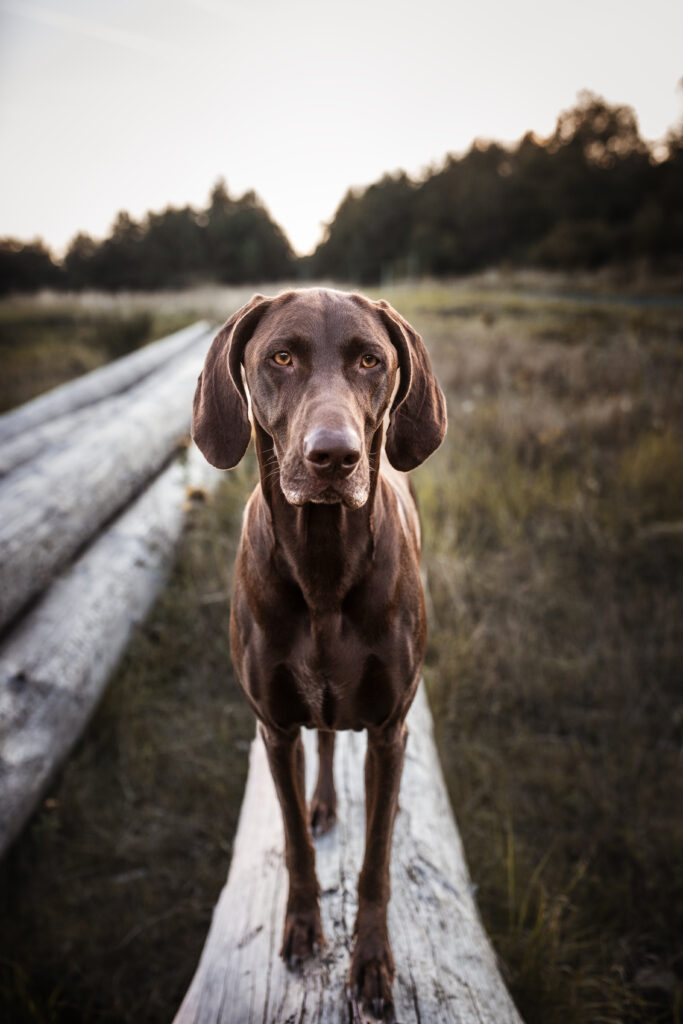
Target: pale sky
{"type": "Point", "coordinates": [109, 105]}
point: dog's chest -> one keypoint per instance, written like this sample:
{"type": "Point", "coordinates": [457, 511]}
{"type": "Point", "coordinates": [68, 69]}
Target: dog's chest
{"type": "Point", "coordinates": [347, 663]}
{"type": "Point", "coordinates": [326, 671]}
{"type": "Point", "coordinates": [343, 681]}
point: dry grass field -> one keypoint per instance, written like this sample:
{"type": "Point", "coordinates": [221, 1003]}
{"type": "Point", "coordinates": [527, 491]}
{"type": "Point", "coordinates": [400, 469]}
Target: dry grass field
{"type": "Point", "coordinates": [554, 558]}
{"type": "Point", "coordinates": [553, 521]}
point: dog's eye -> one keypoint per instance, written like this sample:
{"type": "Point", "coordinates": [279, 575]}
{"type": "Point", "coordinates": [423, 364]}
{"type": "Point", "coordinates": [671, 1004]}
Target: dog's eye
{"type": "Point", "coordinates": [369, 361]}
{"type": "Point", "coordinates": [283, 358]}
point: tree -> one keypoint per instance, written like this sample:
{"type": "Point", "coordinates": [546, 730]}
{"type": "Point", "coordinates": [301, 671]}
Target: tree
{"type": "Point", "coordinates": [368, 239]}
{"type": "Point", "coordinates": [27, 267]}
{"type": "Point", "coordinates": [242, 241]}
{"type": "Point", "coordinates": [79, 262]}
{"type": "Point", "coordinates": [232, 240]}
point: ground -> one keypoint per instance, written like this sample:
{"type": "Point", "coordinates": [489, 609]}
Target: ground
{"type": "Point", "coordinates": [553, 520]}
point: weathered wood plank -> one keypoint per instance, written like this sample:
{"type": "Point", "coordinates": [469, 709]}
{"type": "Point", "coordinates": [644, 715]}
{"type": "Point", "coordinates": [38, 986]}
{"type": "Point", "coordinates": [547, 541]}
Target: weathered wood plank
{"type": "Point", "coordinates": [101, 383]}
{"type": "Point", "coordinates": [446, 970]}
{"type": "Point", "coordinates": [56, 663]}
{"type": "Point", "coordinates": [53, 505]}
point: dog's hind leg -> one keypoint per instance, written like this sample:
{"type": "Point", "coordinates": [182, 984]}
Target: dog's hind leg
{"type": "Point", "coordinates": [322, 813]}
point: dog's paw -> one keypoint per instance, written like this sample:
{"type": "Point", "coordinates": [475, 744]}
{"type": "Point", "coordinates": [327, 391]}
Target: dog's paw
{"type": "Point", "coordinates": [372, 975]}
{"type": "Point", "coordinates": [322, 816]}
{"type": "Point", "coordinates": [303, 936]}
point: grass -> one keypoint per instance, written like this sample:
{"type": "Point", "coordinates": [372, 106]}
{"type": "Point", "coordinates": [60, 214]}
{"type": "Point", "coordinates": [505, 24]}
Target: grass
{"type": "Point", "coordinates": [51, 338]}
{"type": "Point", "coordinates": [553, 523]}
{"type": "Point", "coordinates": [554, 555]}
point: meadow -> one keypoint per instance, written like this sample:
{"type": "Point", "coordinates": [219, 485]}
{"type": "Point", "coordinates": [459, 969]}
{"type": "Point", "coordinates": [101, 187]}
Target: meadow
{"type": "Point", "coordinates": [553, 520]}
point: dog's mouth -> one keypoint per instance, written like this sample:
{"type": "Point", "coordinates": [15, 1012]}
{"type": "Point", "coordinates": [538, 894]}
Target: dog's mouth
{"type": "Point", "coordinates": [351, 492]}
{"type": "Point", "coordinates": [352, 498]}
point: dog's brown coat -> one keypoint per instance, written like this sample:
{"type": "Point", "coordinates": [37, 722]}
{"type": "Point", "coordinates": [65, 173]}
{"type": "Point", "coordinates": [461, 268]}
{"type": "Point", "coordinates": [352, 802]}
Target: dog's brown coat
{"type": "Point", "coordinates": [327, 621]}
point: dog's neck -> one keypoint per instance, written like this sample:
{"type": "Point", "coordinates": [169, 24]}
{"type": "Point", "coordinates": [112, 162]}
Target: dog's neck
{"type": "Point", "coordinates": [325, 549]}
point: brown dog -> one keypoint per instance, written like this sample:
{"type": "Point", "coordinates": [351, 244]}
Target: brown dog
{"type": "Point", "coordinates": [328, 621]}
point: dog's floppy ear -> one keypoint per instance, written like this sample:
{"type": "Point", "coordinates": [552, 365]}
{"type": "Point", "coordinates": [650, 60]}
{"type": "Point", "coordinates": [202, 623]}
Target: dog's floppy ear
{"type": "Point", "coordinates": [220, 422]}
{"type": "Point", "coordinates": [417, 423]}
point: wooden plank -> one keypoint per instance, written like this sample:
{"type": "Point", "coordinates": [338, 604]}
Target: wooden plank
{"type": "Point", "coordinates": [446, 970]}
{"type": "Point", "coordinates": [56, 663]}
{"type": "Point", "coordinates": [101, 383]}
{"type": "Point", "coordinates": [52, 506]}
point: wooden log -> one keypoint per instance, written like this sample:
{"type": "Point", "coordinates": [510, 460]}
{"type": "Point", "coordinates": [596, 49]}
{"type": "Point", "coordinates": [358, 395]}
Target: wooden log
{"type": "Point", "coordinates": [46, 438]}
{"type": "Point", "coordinates": [445, 969]}
{"type": "Point", "coordinates": [78, 402]}
{"type": "Point", "coordinates": [101, 383]}
{"type": "Point", "coordinates": [52, 506]}
{"type": "Point", "coordinates": [56, 663]}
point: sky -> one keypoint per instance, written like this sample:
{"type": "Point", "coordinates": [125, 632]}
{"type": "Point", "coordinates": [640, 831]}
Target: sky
{"type": "Point", "coordinates": [109, 105]}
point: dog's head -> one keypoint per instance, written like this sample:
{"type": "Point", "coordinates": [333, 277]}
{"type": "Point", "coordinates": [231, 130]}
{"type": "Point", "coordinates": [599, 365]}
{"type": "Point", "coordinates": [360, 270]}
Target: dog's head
{"type": "Point", "coordinates": [322, 368]}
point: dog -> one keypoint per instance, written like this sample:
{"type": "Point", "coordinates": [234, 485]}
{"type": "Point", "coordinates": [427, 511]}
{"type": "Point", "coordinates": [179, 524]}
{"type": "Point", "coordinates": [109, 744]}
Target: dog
{"type": "Point", "coordinates": [328, 624]}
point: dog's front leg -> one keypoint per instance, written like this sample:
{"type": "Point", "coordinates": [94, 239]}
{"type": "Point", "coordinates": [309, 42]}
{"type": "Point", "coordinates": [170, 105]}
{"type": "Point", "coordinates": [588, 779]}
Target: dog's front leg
{"type": "Point", "coordinates": [372, 964]}
{"type": "Point", "coordinates": [303, 929]}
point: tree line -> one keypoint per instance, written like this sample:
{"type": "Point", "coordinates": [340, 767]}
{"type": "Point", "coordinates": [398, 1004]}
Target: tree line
{"type": "Point", "coordinates": [232, 240]}
{"type": "Point", "coordinates": [592, 193]}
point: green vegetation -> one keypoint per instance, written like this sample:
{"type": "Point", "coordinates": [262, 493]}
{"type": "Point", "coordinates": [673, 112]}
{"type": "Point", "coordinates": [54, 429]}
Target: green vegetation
{"type": "Point", "coordinates": [553, 520]}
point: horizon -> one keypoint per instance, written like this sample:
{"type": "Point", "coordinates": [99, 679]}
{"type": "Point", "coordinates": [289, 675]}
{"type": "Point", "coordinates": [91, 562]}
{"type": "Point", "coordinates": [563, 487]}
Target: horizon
{"type": "Point", "coordinates": [139, 107]}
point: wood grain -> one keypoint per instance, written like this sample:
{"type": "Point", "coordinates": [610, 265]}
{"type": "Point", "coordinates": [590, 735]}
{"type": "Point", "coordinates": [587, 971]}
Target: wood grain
{"type": "Point", "coordinates": [446, 972]}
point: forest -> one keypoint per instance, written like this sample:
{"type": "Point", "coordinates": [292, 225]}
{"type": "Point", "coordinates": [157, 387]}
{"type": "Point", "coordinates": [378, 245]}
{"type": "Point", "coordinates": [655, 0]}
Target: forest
{"type": "Point", "coordinates": [593, 193]}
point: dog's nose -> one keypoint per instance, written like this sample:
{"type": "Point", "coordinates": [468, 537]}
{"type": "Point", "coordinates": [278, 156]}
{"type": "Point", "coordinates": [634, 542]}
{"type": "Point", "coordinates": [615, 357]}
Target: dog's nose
{"type": "Point", "coordinates": [332, 452]}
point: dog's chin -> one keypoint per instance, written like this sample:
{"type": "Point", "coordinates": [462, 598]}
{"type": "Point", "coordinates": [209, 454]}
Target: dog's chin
{"type": "Point", "coordinates": [331, 496]}
{"type": "Point", "coordinates": [344, 493]}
